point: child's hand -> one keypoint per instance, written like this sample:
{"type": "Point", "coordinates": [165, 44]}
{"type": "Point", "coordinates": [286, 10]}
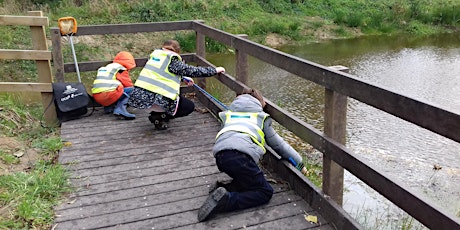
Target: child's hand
{"type": "Point", "coordinates": [189, 81]}
{"type": "Point", "coordinates": [304, 171]}
{"type": "Point", "coordinates": [220, 69]}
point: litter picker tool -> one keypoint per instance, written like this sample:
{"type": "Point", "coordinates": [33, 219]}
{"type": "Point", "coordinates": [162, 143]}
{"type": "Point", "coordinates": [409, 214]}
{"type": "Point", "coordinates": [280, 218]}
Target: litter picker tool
{"type": "Point", "coordinates": [68, 27]}
{"type": "Point", "coordinates": [208, 94]}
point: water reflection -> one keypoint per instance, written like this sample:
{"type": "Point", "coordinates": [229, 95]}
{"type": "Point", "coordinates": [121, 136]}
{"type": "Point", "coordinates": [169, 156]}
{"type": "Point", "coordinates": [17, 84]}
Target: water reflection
{"type": "Point", "coordinates": [426, 68]}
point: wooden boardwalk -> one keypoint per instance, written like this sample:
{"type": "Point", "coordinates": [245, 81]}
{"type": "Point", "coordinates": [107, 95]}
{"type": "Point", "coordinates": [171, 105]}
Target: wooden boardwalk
{"type": "Point", "coordinates": [127, 175]}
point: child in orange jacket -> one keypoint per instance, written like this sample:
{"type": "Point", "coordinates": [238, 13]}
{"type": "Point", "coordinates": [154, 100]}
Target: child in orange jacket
{"type": "Point", "coordinates": [113, 85]}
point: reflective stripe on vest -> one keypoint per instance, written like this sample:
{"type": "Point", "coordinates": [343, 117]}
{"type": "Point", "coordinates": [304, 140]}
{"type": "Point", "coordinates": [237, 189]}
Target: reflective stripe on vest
{"type": "Point", "coordinates": [155, 76]}
{"type": "Point", "coordinates": [106, 79]}
{"type": "Point", "coordinates": [249, 123]}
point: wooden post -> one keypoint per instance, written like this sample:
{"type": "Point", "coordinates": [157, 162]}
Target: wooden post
{"type": "Point", "coordinates": [44, 70]}
{"type": "Point", "coordinates": [242, 63]}
{"type": "Point", "coordinates": [201, 51]}
{"type": "Point", "coordinates": [335, 120]}
{"type": "Point", "coordinates": [58, 59]}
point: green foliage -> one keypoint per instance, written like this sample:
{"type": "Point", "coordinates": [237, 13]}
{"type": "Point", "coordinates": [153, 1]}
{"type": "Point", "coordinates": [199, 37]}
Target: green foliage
{"type": "Point", "coordinates": [314, 173]}
{"type": "Point", "coordinates": [186, 41]}
{"type": "Point", "coordinates": [418, 28]}
{"type": "Point", "coordinates": [29, 197]}
{"type": "Point", "coordinates": [447, 14]}
{"type": "Point", "coordinates": [50, 145]}
{"type": "Point", "coordinates": [23, 121]}
{"type": "Point", "coordinates": [277, 6]}
{"type": "Point", "coordinates": [15, 117]}
{"type": "Point", "coordinates": [33, 195]}
{"type": "Point", "coordinates": [8, 158]}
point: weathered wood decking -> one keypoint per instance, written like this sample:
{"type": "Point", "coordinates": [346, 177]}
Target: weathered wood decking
{"type": "Point", "coordinates": [128, 175]}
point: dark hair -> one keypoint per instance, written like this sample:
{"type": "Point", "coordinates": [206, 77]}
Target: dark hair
{"type": "Point", "coordinates": [255, 93]}
{"type": "Point", "coordinates": [172, 45]}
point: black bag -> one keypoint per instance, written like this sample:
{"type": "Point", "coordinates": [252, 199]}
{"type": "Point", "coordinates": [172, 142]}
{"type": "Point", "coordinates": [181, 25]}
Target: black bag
{"type": "Point", "coordinates": [71, 100]}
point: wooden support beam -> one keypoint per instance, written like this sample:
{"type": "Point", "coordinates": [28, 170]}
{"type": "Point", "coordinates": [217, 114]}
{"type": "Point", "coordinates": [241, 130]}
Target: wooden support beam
{"type": "Point", "coordinates": [25, 87]}
{"type": "Point", "coordinates": [242, 63]}
{"type": "Point", "coordinates": [201, 51]}
{"type": "Point", "coordinates": [9, 20]}
{"type": "Point", "coordinates": [25, 54]}
{"type": "Point", "coordinates": [335, 120]}
{"type": "Point", "coordinates": [43, 68]}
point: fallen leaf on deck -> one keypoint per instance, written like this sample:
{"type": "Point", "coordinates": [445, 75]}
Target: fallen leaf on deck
{"type": "Point", "coordinates": [201, 110]}
{"type": "Point", "coordinates": [312, 219]}
{"type": "Point", "coordinates": [67, 143]}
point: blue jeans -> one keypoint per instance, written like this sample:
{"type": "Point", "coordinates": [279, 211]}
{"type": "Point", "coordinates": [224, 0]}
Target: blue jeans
{"type": "Point", "coordinates": [127, 90]}
{"type": "Point", "coordinates": [249, 188]}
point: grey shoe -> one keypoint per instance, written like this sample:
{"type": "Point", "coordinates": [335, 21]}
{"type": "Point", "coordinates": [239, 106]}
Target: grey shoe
{"type": "Point", "coordinates": [212, 204]}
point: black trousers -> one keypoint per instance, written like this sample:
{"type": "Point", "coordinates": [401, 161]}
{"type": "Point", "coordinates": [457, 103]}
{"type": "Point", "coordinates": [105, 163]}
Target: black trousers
{"type": "Point", "coordinates": [185, 107]}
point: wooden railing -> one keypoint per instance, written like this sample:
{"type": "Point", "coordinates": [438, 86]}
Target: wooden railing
{"type": "Point", "coordinates": [338, 85]}
{"type": "Point", "coordinates": [39, 53]}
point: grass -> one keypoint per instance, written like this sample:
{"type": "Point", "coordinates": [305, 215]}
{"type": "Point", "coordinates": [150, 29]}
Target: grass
{"type": "Point", "coordinates": [386, 220]}
{"type": "Point", "coordinates": [27, 197]}
{"type": "Point", "coordinates": [8, 159]}
{"type": "Point", "coordinates": [31, 196]}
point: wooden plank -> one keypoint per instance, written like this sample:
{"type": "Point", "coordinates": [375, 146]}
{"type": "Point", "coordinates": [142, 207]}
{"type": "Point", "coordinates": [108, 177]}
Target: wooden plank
{"type": "Point", "coordinates": [122, 164]}
{"type": "Point", "coordinates": [95, 65]}
{"type": "Point", "coordinates": [96, 205]}
{"type": "Point", "coordinates": [11, 20]}
{"type": "Point", "coordinates": [79, 153]}
{"type": "Point", "coordinates": [138, 201]}
{"type": "Point", "coordinates": [149, 128]}
{"type": "Point", "coordinates": [113, 122]}
{"type": "Point", "coordinates": [145, 171]}
{"type": "Point", "coordinates": [271, 213]}
{"type": "Point", "coordinates": [293, 223]}
{"type": "Point", "coordinates": [25, 54]}
{"type": "Point", "coordinates": [136, 217]}
{"type": "Point", "coordinates": [25, 87]}
{"type": "Point", "coordinates": [134, 28]}
{"type": "Point", "coordinates": [80, 199]}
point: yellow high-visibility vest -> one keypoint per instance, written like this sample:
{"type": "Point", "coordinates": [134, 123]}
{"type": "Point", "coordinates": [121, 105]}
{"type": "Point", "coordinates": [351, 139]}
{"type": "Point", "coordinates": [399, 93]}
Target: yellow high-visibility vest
{"type": "Point", "coordinates": [155, 76]}
{"type": "Point", "coordinates": [106, 79]}
{"type": "Point", "coordinates": [245, 122]}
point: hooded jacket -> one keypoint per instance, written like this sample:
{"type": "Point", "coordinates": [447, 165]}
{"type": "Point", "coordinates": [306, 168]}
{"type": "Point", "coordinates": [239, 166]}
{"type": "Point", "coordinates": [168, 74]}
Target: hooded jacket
{"type": "Point", "coordinates": [242, 142]}
{"type": "Point", "coordinates": [126, 60]}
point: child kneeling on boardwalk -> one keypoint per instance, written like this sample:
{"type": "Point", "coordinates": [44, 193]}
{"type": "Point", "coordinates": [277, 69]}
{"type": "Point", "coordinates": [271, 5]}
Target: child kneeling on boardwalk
{"type": "Point", "coordinates": [238, 148]}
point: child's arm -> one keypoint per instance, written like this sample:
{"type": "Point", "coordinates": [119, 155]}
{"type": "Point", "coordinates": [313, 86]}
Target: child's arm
{"type": "Point", "coordinates": [180, 68]}
{"type": "Point", "coordinates": [125, 79]}
{"type": "Point", "coordinates": [282, 147]}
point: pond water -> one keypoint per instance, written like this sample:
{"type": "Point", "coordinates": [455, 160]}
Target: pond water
{"type": "Point", "coordinates": [425, 68]}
